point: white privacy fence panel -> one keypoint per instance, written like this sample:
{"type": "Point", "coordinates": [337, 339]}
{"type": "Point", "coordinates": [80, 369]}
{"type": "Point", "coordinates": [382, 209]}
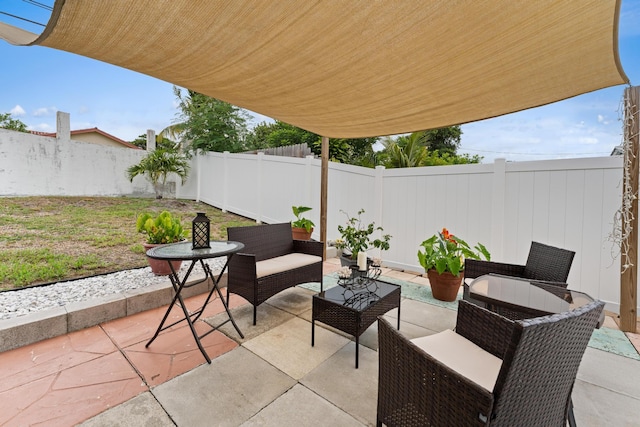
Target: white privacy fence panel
{"type": "Point", "coordinates": [418, 202]}
{"type": "Point", "coordinates": [570, 204]}
{"type": "Point", "coordinates": [505, 206]}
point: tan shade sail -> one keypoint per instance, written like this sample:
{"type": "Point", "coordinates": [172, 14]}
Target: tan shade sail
{"type": "Point", "coordinates": [347, 68]}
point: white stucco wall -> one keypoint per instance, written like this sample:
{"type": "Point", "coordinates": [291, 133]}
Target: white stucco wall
{"type": "Point", "coordinates": [39, 165]}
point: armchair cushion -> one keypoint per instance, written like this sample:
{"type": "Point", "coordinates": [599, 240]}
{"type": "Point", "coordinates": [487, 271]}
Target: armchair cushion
{"type": "Point", "coordinates": [462, 356]}
{"type": "Point", "coordinates": [284, 263]}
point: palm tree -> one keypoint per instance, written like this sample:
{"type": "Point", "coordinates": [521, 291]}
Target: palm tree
{"type": "Point", "coordinates": [406, 151]}
{"type": "Point", "coordinates": [156, 165]}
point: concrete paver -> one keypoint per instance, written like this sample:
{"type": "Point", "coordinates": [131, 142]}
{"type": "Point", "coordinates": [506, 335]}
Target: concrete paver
{"type": "Point", "coordinates": [142, 410]}
{"type": "Point", "coordinates": [235, 387]}
{"type": "Point", "coordinates": [301, 407]}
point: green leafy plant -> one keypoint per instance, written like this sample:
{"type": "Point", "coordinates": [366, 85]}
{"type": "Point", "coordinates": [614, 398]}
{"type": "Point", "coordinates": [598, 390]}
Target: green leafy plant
{"type": "Point", "coordinates": [357, 237]}
{"type": "Point", "coordinates": [159, 163]}
{"type": "Point", "coordinates": [164, 228]}
{"type": "Point", "coordinates": [302, 222]}
{"type": "Point", "coordinates": [445, 252]}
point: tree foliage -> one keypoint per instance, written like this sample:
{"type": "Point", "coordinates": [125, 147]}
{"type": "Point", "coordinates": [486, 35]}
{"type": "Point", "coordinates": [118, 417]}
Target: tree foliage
{"type": "Point", "coordinates": [434, 147]}
{"type": "Point", "coordinates": [7, 122]}
{"type": "Point", "coordinates": [278, 134]}
{"type": "Point", "coordinates": [210, 124]}
{"type": "Point", "coordinates": [161, 142]}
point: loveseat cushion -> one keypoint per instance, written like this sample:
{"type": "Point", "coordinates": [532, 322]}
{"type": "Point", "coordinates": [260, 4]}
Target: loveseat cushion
{"type": "Point", "coordinates": [284, 263]}
{"type": "Point", "coordinates": [462, 356]}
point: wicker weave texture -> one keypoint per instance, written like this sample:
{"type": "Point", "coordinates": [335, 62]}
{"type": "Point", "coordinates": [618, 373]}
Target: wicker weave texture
{"type": "Point", "coordinates": [350, 320]}
{"type": "Point", "coordinates": [264, 242]}
{"type": "Point", "coordinates": [540, 356]}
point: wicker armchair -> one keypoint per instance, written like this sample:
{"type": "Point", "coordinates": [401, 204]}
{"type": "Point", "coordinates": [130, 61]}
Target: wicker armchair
{"type": "Point", "coordinates": [545, 263]}
{"type": "Point", "coordinates": [292, 262]}
{"type": "Point", "coordinates": [528, 368]}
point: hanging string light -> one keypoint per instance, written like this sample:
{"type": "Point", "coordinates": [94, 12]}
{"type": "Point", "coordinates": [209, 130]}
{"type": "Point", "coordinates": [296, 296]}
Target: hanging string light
{"type": "Point", "coordinates": [623, 218]}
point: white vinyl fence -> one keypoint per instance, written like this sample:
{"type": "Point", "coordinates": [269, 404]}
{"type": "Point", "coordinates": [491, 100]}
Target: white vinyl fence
{"type": "Point", "coordinates": [504, 205]}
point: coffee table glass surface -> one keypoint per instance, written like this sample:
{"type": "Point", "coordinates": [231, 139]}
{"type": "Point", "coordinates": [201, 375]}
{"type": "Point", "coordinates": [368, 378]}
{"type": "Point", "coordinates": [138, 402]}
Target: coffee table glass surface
{"type": "Point", "coordinates": [353, 309]}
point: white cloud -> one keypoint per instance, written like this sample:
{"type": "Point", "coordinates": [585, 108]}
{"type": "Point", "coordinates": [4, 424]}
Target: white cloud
{"type": "Point", "coordinates": [602, 119]}
{"type": "Point", "coordinates": [83, 109]}
{"type": "Point", "coordinates": [45, 111]}
{"type": "Point", "coordinates": [42, 127]}
{"type": "Point", "coordinates": [17, 111]}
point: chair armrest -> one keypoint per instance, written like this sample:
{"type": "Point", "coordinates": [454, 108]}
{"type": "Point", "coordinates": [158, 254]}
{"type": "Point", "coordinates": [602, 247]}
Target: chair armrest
{"type": "Point", "coordinates": [410, 380]}
{"type": "Point", "coordinates": [242, 267]}
{"type": "Point", "coordinates": [475, 268]}
{"type": "Point", "coordinates": [309, 247]}
{"type": "Point", "coordinates": [486, 329]}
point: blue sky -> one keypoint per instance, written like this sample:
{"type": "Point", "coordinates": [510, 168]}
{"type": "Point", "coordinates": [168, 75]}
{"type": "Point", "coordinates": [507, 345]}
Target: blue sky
{"type": "Point", "coordinates": [35, 82]}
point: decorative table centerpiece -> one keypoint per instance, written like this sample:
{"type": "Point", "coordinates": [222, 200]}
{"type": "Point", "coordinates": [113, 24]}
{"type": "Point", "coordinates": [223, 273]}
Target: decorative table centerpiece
{"type": "Point", "coordinates": [356, 238]}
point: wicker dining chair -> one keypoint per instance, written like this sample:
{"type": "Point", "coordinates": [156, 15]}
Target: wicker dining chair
{"type": "Point", "coordinates": [545, 263]}
{"type": "Point", "coordinates": [490, 371]}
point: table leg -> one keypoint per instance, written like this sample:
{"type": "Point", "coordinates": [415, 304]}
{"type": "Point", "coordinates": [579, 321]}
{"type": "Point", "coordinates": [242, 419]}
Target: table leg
{"type": "Point", "coordinates": [224, 303]}
{"type": "Point", "coordinates": [357, 347]}
{"type": "Point", "coordinates": [178, 285]}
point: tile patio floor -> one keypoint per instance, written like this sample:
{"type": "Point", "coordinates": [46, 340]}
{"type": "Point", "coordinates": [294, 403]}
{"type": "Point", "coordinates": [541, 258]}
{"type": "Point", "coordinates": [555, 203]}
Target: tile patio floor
{"type": "Point", "coordinates": [104, 376]}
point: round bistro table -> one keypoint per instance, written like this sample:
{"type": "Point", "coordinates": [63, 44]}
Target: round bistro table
{"type": "Point", "coordinates": [183, 251]}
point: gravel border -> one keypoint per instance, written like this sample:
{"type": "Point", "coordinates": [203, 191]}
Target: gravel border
{"type": "Point", "coordinates": [25, 301]}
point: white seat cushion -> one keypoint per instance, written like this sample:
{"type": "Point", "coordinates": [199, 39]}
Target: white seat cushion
{"type": "Point", "coordinates": [462, 356]}
{"type": "Point", "coordinates": [284, 263]}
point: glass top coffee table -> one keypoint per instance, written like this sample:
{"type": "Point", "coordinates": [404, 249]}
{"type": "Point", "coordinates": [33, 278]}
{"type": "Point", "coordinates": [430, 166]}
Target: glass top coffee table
{"type": "Point", "coordinates": [353, 310]}
{"type": "Point", "coordinates": [184, 252]}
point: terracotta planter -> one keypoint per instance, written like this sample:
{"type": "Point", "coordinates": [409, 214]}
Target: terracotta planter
{"type": "Point", "coordinates": [444, 286]}
{"type": "Point", "coordinates": [160, 267]}
{"type": "Point", "coordinates": [300, 233]}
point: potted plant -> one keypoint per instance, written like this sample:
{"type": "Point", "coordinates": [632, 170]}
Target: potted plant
{"type": "Point", "coordinates": [443, 260]}
{"type": "Point", "coordinates": [302, 227]}
{"type": "Point", "coordinates": [356, 237]}
{"type": "Point", "coordinates": [163, 229]}
{"type": "Point", "coordinates": [156, 165]}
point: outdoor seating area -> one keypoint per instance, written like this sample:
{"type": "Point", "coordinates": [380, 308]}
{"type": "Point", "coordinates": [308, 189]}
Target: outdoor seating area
{"type": "Point", "coordinates": [104, 375]}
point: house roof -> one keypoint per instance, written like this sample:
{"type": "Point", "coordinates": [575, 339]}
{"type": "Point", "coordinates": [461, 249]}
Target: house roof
{"type": "Point", "coordinates": [92, 130]}
{"type": "Point", "coordinates": [353, 68]}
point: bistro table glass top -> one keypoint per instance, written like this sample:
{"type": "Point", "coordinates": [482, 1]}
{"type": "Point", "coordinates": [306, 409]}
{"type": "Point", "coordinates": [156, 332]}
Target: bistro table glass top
{"type": "Point", "coordinates": [183, 250]}
{"type": "Point", "coordinates": [525, 293]}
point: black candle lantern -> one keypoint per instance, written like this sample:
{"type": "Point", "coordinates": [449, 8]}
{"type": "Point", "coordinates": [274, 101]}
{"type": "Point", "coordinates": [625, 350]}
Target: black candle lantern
{"type": "Point", "coordinates": [200, 231]}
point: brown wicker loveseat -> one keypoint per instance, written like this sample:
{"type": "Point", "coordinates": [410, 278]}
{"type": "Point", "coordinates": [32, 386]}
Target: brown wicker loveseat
{"type": "Point", "coordinates": [271, 262]}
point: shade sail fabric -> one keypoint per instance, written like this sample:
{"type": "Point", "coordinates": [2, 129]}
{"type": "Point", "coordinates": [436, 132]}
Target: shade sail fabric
{"type": "Point", "coordinates": [354, 68]}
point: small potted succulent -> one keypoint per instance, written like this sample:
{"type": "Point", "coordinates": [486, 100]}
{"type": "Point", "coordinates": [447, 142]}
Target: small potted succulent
{"type": "Point", "coordinates": [356, 237]}
{"type": "Point", "coordinates": [301, 228]}
{"type": "Point", "coordinates": [443, 260]}
{"type": "Point", "coordinates": [163, 229]}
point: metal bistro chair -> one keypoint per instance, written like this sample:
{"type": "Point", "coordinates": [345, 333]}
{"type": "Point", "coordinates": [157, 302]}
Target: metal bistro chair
{"type": "Point", "coordinates": [490, 371]}
{"type": "Point", "coordinates": [545, 263]}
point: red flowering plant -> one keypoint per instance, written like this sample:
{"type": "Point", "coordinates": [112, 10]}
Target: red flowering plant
{"type": "Point", "coordinates": [446, 252]}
